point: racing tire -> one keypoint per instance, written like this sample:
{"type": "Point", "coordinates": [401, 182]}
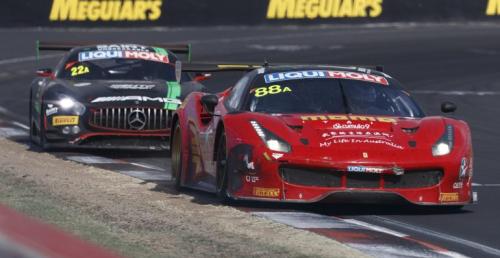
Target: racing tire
{"type": "Point", "coordinates": [176, 157]}
{"type": "Point", "coordinates": [454, 208]}
{"type": "Point", "coordinates": [222, 175]}
{"type": "Point", "coordinates": [34, 131]}
{"type": "Point", "coordinates": [32, 122]}
{"type": "Point", "coordinates": [42, 140]}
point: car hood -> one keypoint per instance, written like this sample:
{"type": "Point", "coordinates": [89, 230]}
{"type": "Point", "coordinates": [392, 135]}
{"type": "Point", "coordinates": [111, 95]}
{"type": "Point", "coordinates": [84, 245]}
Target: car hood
{"type": "Point", "coordinates": [359, 137]}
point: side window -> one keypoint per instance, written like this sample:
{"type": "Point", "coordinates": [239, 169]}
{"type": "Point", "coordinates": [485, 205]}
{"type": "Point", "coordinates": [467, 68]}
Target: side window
{"type": "Point", "coordinates": [238, 91]}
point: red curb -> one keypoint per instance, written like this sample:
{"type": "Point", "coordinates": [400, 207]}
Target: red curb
{"type": "Point", "coordinates": [45, 239]}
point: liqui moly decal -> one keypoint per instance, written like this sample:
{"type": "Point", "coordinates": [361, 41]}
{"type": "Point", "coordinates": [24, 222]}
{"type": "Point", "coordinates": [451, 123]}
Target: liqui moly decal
{"type": "Point", "coordinates": [96, 55]}
{"type": "Point", "coordinates": [315, 74]}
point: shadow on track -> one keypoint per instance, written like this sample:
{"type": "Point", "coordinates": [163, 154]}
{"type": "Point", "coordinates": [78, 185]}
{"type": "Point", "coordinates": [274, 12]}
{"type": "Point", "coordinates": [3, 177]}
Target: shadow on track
{"type": "Point", "coordinates": [330, 209]}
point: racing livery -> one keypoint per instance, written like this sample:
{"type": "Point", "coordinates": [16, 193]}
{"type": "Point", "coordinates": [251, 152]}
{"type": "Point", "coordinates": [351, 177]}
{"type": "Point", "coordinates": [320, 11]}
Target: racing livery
{"type": "Point", "coordinates": [295, 133]}
{"type": "Point", "coordinates": [108, 96]}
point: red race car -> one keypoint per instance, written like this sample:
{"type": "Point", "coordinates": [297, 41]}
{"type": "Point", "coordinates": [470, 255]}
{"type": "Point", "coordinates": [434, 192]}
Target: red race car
{"type": "Point", "coordinates": [295, 133]}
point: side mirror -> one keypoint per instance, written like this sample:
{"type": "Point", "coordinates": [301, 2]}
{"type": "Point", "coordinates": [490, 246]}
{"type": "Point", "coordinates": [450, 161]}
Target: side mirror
{"type": "Point", "coordinates": [46, 72]}
{"type": "Point", "coordinates": [209, 102]}
{"type": "Point", "coordinates": [448, 107]}
{"type": "Point", "coordinates": [202, 77]}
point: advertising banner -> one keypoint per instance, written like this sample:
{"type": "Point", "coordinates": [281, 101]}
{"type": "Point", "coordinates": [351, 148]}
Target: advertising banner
{"type": "Point", "coordinates": [137, 13]}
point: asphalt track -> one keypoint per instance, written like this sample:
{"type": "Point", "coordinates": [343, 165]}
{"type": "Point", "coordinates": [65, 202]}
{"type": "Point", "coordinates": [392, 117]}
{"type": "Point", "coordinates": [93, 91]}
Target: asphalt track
{"type": "Point", "coordinates": [456, 62]}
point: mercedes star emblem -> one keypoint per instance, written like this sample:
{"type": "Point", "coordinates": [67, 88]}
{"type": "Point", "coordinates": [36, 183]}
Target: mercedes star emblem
{"type": "Point", "coordinates": [137, 119]}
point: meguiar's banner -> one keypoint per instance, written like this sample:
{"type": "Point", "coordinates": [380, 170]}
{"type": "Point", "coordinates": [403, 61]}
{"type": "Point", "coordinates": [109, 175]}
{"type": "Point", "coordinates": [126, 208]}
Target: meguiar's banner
{"type": "Point", "coordinates": [132, 13]}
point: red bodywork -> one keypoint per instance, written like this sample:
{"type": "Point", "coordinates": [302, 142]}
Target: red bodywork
{"type": "Point", "coordinates": [332, 157]}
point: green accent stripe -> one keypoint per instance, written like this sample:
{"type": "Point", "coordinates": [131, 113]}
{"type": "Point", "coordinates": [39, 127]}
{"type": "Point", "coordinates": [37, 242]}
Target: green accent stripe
{"type": "Point", "coordinates": [160, 51]}
{"type": "Point", "coordinates": [189, 53]}
{"type": "Point", "coordinates": [174, 92]}
{"type": "Point", "coordinates": [37, 45]}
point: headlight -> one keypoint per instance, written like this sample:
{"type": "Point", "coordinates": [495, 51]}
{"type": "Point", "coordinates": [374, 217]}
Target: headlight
{"type": "Point", "coordinates": [69, 104]}
{"type": "Point", "coordinates": [445, 144]}
{"type": "Point", "coordinates": [66, 103]}
{"type": "Point", "coordinates": [272, 141]}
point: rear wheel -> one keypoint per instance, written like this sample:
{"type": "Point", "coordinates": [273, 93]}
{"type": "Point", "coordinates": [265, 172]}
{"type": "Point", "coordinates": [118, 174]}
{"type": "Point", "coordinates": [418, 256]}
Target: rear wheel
{"type": "Point", "coordinates": [176, 160]}
{"type": "Point", "coordinates": [222, 175]}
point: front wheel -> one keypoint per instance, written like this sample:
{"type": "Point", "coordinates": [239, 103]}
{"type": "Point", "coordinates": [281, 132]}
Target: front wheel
{"type": "Point", "coordinates": [37, 134]}
{"type": "Point", "coordinates": [176, 151]}
{"type": "Point", "coordinates": [222, 175]}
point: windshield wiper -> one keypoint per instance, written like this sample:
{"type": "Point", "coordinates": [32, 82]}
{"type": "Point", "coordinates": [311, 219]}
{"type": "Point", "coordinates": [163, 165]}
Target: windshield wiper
{"type": "Point", "coordinates": [344, 99]}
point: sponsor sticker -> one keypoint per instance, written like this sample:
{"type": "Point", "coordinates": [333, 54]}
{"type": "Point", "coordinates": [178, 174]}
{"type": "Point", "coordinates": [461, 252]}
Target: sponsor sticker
{"type": "Point", "coordinates": [266, 192]}
{"type": "Point", "coordinates": [251, 179]}
{"type": "Point", "coordinates": [51, 111]}
{"type": "Point", "coordinates": [388, 143]}
{"type": "Point", "coordinates": [136, 98]}
{"type": "Point", "coordinates": [458, 185]}
{"type": "Point", "coordinates": [448, 197]}
{"type": "Point", "coordinates": [343, 134]}
{"type": "Point", "coordinates": [82, 84]}
{"type": "Point", "coordinates": [350, 125]}
{"type": "Point", "coordinates": [324, 74]}
{"type": "Point", "coordinates": [132, 86]}
{"type": "Point", "coordinates": [109, 54]}
{"type": "Point", "coordinates": [64, 120]}
{"type": "Point", "coordinates": [365, 169]}
{"type": "Point", "coordinates": [348, 118]}
{"type": "Point", "coordinates": [131, 47]}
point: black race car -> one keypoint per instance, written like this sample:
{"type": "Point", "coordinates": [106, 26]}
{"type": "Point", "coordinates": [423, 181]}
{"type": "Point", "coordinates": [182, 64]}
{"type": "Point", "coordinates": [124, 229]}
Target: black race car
{"type": "Point", "coordinates": [109, 96]}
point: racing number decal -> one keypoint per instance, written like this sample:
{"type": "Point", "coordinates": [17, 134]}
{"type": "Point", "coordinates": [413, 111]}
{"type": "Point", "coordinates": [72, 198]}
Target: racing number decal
{"type": "Point", "coordinates": [79, 70]}
{"type": "Point", "coordinates": [271, 90]}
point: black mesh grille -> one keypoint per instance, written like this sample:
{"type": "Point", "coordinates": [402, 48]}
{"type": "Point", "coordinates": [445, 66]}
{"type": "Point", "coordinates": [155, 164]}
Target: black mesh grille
{"type": "Point", "coordinates": [333, 178]}
{"type": "Point", "coordinates": [363, 180]}
{"type": "Point", "coordinates": [413, 179]}
{"type": "Point", "coordinates": [118, 118]}
{"type": "Point", "coordinates": [308, 177]}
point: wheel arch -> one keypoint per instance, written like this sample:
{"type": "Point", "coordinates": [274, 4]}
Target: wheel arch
{"type": "Point", "coordinates": [175, 120]}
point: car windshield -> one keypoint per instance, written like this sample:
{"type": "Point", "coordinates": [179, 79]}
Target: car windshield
{"type": "Point", "coordinates": [117, 69]}
{"type": "Point", "coordinates": [368, 95]}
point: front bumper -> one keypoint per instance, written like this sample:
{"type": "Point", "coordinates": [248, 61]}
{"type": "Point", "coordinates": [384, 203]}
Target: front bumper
{"type": "Point", "coordinates": [262, 177]}
{"type": "Point", "coordinates": [107, 128]}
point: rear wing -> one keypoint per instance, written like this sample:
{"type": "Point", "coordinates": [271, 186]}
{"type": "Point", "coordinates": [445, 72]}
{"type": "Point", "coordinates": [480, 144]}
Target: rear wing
{"type": "Point", "coordinates": [245, 67]}
{"type": "Point", "coordinates": [67, 46]}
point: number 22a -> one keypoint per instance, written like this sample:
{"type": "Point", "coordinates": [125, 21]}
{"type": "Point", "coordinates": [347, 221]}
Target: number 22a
{"type": "Point", "coordinates": [79, 70]}
{"type": "Point", "coordinates": [273, 89]}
